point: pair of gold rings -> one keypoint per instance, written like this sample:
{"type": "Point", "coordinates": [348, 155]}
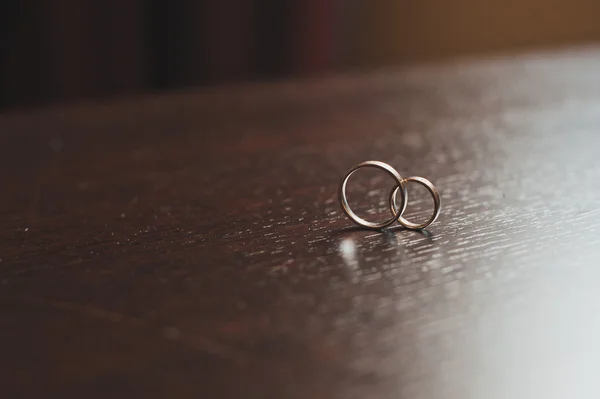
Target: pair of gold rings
{"type": "Point", "coordinates": [396, 209]}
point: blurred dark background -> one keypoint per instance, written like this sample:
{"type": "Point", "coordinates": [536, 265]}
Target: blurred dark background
{"type": "Point", "coordinates": [55, 51]}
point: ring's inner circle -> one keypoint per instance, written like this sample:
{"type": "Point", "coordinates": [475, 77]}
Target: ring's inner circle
{"type": "Point", "coordinates": [368, 190]}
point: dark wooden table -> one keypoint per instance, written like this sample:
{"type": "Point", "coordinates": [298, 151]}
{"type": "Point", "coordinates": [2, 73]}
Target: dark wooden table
{"type": "Point", "coordinates": [191, 245]}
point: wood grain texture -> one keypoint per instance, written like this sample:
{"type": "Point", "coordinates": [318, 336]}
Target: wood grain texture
{"type": "Point", "coordinates": [191, 245]}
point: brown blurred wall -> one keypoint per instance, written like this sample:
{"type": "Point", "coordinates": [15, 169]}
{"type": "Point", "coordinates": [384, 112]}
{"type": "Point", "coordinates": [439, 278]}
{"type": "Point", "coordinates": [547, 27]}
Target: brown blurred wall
{"type": "Point", "coordinates": [54, 51]}
{"type": "Point", "coordinates": [413, 30]}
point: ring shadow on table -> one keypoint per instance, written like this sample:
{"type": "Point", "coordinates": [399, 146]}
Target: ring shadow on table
{"type": "Point", "coordinates": [385, 232]}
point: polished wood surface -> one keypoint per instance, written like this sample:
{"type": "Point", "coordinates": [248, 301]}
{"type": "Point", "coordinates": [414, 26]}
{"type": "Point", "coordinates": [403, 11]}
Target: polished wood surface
{"type": "Point", "coordinates": [191, 245]}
